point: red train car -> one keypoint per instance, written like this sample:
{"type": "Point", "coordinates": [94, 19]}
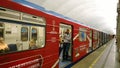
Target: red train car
{"type": "Point", "coordinates": [20, 24]}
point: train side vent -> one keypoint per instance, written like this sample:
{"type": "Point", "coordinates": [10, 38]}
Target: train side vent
{"type": "Point", "coordinates": [9, 14]}
{"type": "Point", "coordinates": [33, 19]}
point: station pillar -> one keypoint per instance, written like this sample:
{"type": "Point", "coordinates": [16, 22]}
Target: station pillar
{"type": "Point", "coordinates": [118, 29]}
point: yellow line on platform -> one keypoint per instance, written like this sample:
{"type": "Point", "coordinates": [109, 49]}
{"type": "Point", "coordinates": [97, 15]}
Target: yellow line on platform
{"type": "Point", "coordinates": [91, 66]}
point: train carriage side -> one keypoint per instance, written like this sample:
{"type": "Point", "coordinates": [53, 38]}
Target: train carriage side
{"type": "Point", "coordinates": [82, 41]}
{"type": "Point", "coordinates": [95, 39]}
{"type": "Point", "coordinates": [47, 55]}
{"type": "Point", "coordinates": [20, 26]}
{"type": "Point", "coordinates": [81, 38]}
{"type": "Point", "coordinates": [46, 35]}
{"type": "Point", "coordinates": [103, 38]}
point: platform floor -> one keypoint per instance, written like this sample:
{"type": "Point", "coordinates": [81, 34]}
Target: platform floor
{"type": "Point", "coordinates": [104, 57]}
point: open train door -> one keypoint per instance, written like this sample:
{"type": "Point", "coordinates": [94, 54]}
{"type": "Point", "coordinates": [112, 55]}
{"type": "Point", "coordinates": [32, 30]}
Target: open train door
{"type": "Point", "coordinates": [62, 30]}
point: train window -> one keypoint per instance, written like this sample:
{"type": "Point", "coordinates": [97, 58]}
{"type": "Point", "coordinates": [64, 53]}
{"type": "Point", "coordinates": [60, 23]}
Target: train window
{"type": "Point", "coordinates": [23, 30]}
{"type": "Point", "coordinates": [22, 37]}
{"type": "Point", "coordinates": [34, 33]}
{"type": "Point", "coordinates": [38, 35]}
{"type": "Point", "coordinates": [24, 33]}
{"type": "Point", "coordinates": [40, 42]}
{"type": "Point", "coordinates": [82, 34]}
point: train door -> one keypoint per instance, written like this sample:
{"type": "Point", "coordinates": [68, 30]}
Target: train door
{"type": "Point", "coordinates": [90, 41]}
{"type": "Point", "coordinates": [62, 30]}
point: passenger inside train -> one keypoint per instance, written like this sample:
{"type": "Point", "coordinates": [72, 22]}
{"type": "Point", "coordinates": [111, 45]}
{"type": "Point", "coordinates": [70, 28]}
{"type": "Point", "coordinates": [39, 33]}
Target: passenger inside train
{"type": "Point", "coordinates": [66, 44]}
{"type": "Point", "coordinates": [3, 46]}
{"type": "Point", "coordinates": [20, 37]}
{"type": "Point", "coordinates": [32, 44]}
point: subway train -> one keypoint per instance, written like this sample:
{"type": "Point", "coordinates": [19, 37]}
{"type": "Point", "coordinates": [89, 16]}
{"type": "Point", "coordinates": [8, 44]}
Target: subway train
{"type": "Point", "coordinates": [19, 24]}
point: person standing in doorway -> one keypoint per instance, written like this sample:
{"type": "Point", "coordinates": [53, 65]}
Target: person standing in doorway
{"type": "Point", "coordinates": [66, 44]}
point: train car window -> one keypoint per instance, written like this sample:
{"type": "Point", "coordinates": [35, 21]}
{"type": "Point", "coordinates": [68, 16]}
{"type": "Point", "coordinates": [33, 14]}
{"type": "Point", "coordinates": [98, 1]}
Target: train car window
{"type": "Point", "coordinates": [24, 33]}
{"type": "Point", "coordinates": [38, 36]}
{"type": "Point", "coordinates": [21, 30]}
{"type": "Point", "coordinates": [82, 34]}
{"type": "Point", "coordinates": [34, 33]}
{"type": "Point", "coordinates": [19, 37]}
{"type": "Point", "coordinates": [40, 42]}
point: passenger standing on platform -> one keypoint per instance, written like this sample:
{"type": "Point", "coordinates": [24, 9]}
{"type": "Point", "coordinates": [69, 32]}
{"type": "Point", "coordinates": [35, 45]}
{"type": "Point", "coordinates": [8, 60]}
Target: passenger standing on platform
{"type": "Point", "coordinates": [66, 44]}
{"type": "Point", "coordinates": [3, 46]}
